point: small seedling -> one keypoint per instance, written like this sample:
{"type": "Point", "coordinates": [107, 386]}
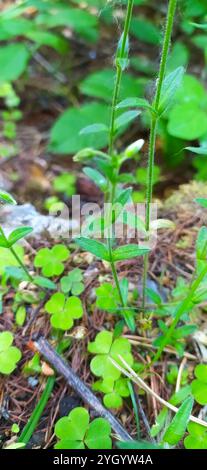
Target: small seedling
{"type": "Point", "coordinates": [51, 260]}
{"type": "Point", "coordinates": [63, 310]}
{"type": "Point", "coordinates": [76, 432]}
{"type": "Point", "coordinates": [105, 348]}
{"type": "Point", "coordinates": [9, 355]}
{"type": "Point", "coordinates": [73, 282]}
{"type": "Point", "coordinates": [114, 391]}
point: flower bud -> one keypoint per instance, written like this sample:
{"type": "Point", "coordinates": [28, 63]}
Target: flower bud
{"type": "Point", "coordinates": [134, 148]}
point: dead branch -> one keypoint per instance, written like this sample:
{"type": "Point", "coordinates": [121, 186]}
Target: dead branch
{"type": "Point", "coordinates": [78, 385]}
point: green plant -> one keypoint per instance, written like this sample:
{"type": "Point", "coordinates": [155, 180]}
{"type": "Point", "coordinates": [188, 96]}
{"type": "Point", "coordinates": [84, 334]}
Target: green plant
{"type": "Point", "coordinates": [105, 348]}
{"type": "Point", "coordinates": [9, 355]}
{"type": "Point", "coordinates": [63, 310]}
{"type": "Point", "coordinates": [76, 432]}
{"type": "Point", "coordinates": [51, 260]}
{"type": "Point", "coordinates": [73, 282]}
{"type": "Point", "coordinates": [114, 391]}
{"type": "Point", "coordinates": [199, 385]}
{"type": "Point", "coordinates": [65, 183]}
{"type": "Point", "coordinates": [197, 437]}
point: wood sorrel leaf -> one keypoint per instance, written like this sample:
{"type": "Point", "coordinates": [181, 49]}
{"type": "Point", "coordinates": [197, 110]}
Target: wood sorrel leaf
{"type": "Point", "coordinates": [96, 248]}
{"type": "Point", "coordinates": [178, 425]}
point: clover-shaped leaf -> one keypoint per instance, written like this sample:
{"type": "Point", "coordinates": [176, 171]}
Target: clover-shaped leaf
{"type": "Point", "coordinates": [107, 297]}
{"type": "Point", "coordinates": [73, 282]}
{"type": "Point", "coordinates": [197, 438]}
{"type": "Point", "coordinates": [51, 260]}
{"type": "Point", "coordinates": [199, 385]}
{"type": "Point", "coordinates": [63, 310]}
{"type": "Point", "coordinates": [9, 355]}
{"type": "Point", "coordinates": [106, 349]}
{"type": "Point", "coordinates": [114, 391]}
{"type": "Point", "coordinates": [75, 432]}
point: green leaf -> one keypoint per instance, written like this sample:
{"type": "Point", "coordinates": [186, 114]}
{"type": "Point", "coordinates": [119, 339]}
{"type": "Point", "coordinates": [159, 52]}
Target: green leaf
{"type": "Point", "coordinates": [138, 445]}
{"type": "Point", "coordinates": [47, 38]}
{"type": "Point", "coordinates": [145, 30]}
{"type": "Point", "coordinates": [199, 386]}
{"type": "Point", "coordinates": [96, 248]}
{"type": "Point", "coordinates": [93, 129]}
{"type": "Point", "coordinates": [171, 84]}
{"type": "Point", "coordinates": [97, 177]}
{"type": "Point", "coordinates": [125, 118]}
{"type": "Point", "coordinates": [6, 198]}
{"type": "Point", "coordinates": [100, 85]}
{"type": "Point", "coordinates": [122, 53]}
{"type": "Point", "coordinates": [51, 260]}
{"type": "Point", "coordinates": [65, 134]}
{"type": "Point", "coordinates": [128, 252]}
{"type": "Point", "coordinates": [106, 348]}
{"type": "Point", "coordinates": [187, 121]}
{"type": "Point", "coordinates": [13, 61]}
{"type": "Point", "coordinates": [107, 297]}
{"type": "Point", "coordinates": [160, 422]}
{"type": "Point", "coordinates": [73, 282]}
{"type": "Point", "coordinates": [7, 258]}
{"type": "Point", "coordinates": [202, 201]}
{"type": "Point", "coordinates": [9, 355]}
{"type": "Point", "coordinates": [74, 431]}
{"type": "Point", "coordinates": [65, 183]}
{"type": "Point", "coordinates": [63, 310]}
{"type": "Point", "coordinates": [20, 315]}
{"type": "Point", "coordinates": [201, 244]}
{"type": "Point", "coordinates": [98, 434]}
{"type": "Point", "coordinates": [134, 103]}
{"type": "Point", "coordinates": [18, 234]}
{"type": "Point", "coordinates": [177, 427]}
{"type": "Point", "coordinates": [197, 438]}
{"type": "Point", "coordinates": [44, 282]}
{"type": "Point", "coordinates": [198, 150]}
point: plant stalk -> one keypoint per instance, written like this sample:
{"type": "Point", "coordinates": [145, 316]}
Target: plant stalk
{"type": "Point", "coordinates": [180, 311]}
{"type": "Point", "coordinates": [119, 72]}
{"type": "Point", "coordinates": [153, 128]}
{"type": "Point", "coordinates": [19, 261]}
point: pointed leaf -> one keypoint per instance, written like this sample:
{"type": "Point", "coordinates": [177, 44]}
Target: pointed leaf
{"type": "Point", "coordinates": [96, 248]}
{"type": "Point", "coordinates": [93, 128]}
{"type": "Point", "coordinates": [19, 233]}
{"type": "Point", "coordinates": [125, 118]}
{"type": "Point", "coordinates": [129, 251]}
{"type": "Point", "coordinates": [177, 427]}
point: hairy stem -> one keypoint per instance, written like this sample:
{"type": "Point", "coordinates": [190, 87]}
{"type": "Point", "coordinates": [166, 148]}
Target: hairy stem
{"type": "Point", "coordinates": [119, 72]}
{"type": "Point", "coordinates": [119, 75]}
{"type": "Point", "coordinates": [153, 126]}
